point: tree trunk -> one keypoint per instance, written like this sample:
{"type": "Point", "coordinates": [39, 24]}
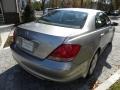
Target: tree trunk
{"type": "Point", "coordinates": [29, 1]}
{"type": "Point", "coordinates": [81, 3]}
{"type": "Point", "coordinates": [43, 5]}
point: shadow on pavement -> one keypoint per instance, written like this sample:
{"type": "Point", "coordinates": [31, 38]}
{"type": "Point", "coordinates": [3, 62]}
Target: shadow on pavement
{"type": "Point", "coordinates": [99, 67]}
{"type": "Point", "coordinates": [16, 78]}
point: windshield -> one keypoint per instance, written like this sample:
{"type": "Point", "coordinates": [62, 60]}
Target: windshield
{"type": "Point", "coordinates": [64, 18]}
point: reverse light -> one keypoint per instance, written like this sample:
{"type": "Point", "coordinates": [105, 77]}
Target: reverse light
{"type": "Point", "coordinates": [65, 52]}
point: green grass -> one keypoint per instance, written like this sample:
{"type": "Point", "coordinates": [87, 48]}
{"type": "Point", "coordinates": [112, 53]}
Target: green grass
{"type": "Point", "coordinates": [115, 86]}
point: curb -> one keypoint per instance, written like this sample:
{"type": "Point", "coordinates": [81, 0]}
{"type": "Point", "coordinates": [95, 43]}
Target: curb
{"type": "Point", "coordinates": [109, 82]}
{"type": "Point", "coordinates": [4, 26]}
{"type": "Point", "coordinates": [5, 31]}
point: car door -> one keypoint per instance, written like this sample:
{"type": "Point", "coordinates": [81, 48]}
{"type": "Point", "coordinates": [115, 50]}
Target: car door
{"type": "Point", "coordinates": [110, 31]}
{"type": "Point", "coordinates": [102, 28]}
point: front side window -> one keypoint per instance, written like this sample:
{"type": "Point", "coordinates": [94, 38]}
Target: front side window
{"type": "Point", "coordinates": [64, 18]}
{"type": "Point", "coordinates": [102, 21]}
{"type": "Point", "coordinates": [108, 22]}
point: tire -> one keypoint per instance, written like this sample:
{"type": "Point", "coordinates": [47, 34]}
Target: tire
{"type": "Point", "coordinates": [111, 40]}
{"type": "Point", "coordinates": [112, 37]}
{"type": "Point", "coordinates": [93, 64]}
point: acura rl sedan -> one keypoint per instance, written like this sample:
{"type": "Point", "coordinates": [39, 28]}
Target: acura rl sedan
{"type": "Point", "coordinates": [64, 44]}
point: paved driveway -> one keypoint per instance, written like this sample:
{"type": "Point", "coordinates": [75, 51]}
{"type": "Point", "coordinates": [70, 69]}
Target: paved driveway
{"type": "Point", "coordinates": [13, 77]}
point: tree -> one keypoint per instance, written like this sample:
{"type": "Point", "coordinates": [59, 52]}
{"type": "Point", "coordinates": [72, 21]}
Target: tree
{"type": "Point", "coordinates": [28, 14]}
{"type": "Point", "coordinates": [43, 5]}
{"type": "Point", "coordinates": [62, 3]}
{"type": "Point", "coordinates": [29, 2]}
{"type": "Point", "coordinates": [36, 6]}
{"type": "Point", "coordinates": [81, 3]}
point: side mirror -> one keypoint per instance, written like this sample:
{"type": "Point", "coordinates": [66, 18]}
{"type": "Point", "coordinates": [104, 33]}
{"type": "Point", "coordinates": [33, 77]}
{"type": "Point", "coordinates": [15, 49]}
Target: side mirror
{"type": "Point", "coordinates": [114, 24]}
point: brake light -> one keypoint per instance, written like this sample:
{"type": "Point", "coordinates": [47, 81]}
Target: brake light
{"type": "Point", "coordinates": [65, 52]}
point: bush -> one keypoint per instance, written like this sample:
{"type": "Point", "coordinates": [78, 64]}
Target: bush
{"type": "Point", "coordinates": [36, 6]}
{"type": "Point", "coordinates": [28, 14]}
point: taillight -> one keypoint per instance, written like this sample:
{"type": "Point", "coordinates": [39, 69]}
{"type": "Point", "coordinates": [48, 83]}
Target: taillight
{"type": "Point", "coordinates": [14, 36]}
{"type": "Point", "coordinates": [65, 52]}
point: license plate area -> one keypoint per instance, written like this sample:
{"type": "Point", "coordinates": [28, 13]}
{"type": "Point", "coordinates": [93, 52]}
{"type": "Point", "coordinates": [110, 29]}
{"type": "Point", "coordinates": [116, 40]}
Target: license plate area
{"type": "Point", "coordinates": [27, 45]}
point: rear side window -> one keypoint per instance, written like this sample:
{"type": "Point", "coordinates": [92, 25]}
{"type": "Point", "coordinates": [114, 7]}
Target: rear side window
{"type": "Point", "coordinates": [102, 21]}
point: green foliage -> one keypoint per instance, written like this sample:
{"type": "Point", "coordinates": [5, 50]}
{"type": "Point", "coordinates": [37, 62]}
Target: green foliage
{"type": "Point", "coordinates": [28, 14]}
{"type": "Point", "coordinates": [36, 6]}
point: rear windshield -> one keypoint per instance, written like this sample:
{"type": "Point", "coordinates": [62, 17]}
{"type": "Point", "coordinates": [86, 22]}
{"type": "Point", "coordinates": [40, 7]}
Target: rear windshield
{"type": "Point", "coordinates": [64, 18]}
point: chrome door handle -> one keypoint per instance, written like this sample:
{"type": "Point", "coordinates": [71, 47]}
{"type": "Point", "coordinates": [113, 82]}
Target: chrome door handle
{"type": "Point", "coordinates": [102, 34]}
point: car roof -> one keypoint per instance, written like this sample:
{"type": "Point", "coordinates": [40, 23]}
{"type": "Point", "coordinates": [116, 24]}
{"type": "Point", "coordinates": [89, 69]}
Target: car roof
{"type": "Point", "coordinates": [89, 11]}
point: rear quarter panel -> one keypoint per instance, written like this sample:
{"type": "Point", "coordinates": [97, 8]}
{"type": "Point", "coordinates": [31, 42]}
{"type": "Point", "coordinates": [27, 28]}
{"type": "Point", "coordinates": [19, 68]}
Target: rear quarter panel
{"type": "Point", "coordinates": [89, 42]}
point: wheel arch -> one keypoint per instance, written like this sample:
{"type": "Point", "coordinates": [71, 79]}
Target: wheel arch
{"type": "Point", "coordinates": [98, 50]}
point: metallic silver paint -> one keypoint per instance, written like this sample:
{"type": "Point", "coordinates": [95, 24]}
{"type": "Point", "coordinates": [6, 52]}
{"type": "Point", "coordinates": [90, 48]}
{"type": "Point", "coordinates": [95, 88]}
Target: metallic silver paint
{"type": "Point", "coordinates": [48, 37]}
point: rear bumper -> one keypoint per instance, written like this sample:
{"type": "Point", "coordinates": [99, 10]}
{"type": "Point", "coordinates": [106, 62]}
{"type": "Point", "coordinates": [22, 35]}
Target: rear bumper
{"type": "Point", "coordinates": [48, 69]}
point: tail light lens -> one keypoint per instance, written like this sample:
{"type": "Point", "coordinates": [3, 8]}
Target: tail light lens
{"type": "Point", "coordinates": [65, 52]}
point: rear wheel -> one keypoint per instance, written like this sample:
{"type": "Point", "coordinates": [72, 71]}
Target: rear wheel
{"type": "Point", "coordinates": [112, 37]}
{"type": "Point", "coordinates": [93, 64]}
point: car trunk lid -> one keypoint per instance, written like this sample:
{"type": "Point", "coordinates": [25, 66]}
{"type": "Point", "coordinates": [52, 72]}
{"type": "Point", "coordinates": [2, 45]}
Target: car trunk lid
{"type": "Point", "coordinates": [40, 40]}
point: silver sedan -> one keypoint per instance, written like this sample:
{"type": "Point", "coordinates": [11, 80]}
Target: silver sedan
{"type": "Point", "coordinates": [64, 44]}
